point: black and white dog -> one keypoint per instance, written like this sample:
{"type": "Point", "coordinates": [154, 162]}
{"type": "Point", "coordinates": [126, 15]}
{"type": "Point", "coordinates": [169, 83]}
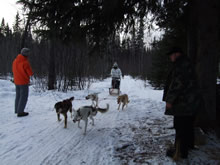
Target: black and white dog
{"type": "Point", "coordinates": [85, 112]}
{"type": "Point", "coordinates": [63, 107]}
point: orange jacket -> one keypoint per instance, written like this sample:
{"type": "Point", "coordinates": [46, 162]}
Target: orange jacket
{"type": "Point", "coordinates": [22, 71]}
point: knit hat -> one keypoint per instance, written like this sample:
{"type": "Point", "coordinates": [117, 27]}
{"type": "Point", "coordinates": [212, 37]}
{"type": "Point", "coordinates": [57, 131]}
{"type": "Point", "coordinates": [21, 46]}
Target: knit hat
{"type": "Point", "coordinates": [115, 64]}
{"type": "Point", "coordinates": [175, 50]}
{"type": "Point", "coordinates": [25, 52]}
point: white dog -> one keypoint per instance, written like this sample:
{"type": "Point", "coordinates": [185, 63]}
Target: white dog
{"type": "Point", "coordinates": [94, 97]}
{"type": "Point", "coordinates": [85, 112]}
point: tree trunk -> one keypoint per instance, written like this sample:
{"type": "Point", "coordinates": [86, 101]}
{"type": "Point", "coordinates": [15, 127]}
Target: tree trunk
{"type": "Point", "coordinates": [205, 39]}
{"type": "Point", "coordinates": [27, 26]}
{"type": "Point", "coordinates": [52, 74]}
{"type": "Point", "coordinates": [192, 31]}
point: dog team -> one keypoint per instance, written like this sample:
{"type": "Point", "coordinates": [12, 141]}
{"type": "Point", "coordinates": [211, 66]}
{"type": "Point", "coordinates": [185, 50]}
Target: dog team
{"type": "Point", "coordinates": [85, 112]}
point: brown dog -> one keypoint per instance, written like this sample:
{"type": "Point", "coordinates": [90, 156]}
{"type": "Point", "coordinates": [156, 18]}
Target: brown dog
{"type": "Point", "coordinates": [124, 100]}
{"type": "Point", "coordinates": [63, 107]}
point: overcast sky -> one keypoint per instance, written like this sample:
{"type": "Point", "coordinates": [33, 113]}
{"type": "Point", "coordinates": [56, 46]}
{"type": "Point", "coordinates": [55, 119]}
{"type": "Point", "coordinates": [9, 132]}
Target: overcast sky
{"type": "Point", "coordinates": [8, 10]}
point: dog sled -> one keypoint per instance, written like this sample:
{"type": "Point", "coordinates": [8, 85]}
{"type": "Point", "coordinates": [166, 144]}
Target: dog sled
{"type": "Point", "coordinates": [115, 86]}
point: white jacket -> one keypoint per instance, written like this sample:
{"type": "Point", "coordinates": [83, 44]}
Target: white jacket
{"type": "Point", "coordinates": [116, 73]}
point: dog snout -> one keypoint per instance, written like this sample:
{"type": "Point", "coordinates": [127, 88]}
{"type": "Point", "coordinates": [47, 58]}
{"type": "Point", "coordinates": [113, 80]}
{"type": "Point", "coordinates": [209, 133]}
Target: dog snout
{"type": "Point", "coordinates": [74, 120]}
{"type": "Point", "coordinates": [87, 97]}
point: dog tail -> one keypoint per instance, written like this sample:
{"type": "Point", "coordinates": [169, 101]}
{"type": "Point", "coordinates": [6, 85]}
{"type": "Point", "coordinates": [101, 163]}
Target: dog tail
{"type": "Point", "coordinates": [103, 110]}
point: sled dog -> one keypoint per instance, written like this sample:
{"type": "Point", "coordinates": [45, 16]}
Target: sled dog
{"type": "Point", "coordinates": [94, 98]}
{"type": "Point", "coordinates": [124, 100]}
{"type": "Point", "coordinates": [85, 112]}
{"type": "Point", "coordinates": [63, 107]}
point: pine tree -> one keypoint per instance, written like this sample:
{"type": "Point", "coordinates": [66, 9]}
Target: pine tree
{"type": "Point", "coordinates": [3, 27]}
{"type": "Point", "coordinates": [140, 45]}
{"type": "Point", "coordinates": [82, 20]}
{"type": "Point", "coordinates": [8, 31]}
{"type": "Point", "coordinates": [201, 33]}
{"type": "Point", "coordinates": [16, 26]}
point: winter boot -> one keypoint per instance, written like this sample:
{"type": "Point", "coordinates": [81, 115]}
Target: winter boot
{"type": "Point", "coordinates": [22, 114]}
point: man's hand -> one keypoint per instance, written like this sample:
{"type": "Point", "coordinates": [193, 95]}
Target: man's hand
{"type": "Point", "coordinates": [168, 105]}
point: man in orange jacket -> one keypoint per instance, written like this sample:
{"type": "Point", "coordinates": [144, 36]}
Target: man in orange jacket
{"type": "Point", "coordinates": [22, 71]}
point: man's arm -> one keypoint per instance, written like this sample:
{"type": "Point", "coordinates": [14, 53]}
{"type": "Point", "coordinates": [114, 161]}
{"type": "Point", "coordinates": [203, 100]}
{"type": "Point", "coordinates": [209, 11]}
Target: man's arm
{"type": "Point", "coordinates": [28, 69]}
{"type": "Point", "coordinates": [176, 87]}
{"type": "Point", "coordinates": [111, 72]}
{"type": "Point", "coordinates": [120, 74]}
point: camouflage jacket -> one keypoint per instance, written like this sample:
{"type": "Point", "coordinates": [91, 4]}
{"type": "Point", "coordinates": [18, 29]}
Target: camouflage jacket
{"type": "Point", "coordinates": [181, 89]}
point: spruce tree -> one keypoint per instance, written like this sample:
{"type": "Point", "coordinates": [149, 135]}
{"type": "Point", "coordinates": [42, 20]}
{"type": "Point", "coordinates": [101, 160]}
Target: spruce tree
{"type": "Point", "coordinates": [3, 27]}
{"type": "Point", "coordinates": [17, 24]}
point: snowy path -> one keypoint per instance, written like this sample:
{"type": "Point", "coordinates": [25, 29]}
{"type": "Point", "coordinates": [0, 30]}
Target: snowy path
{"type": "Point", "coordinates": [137, 135]}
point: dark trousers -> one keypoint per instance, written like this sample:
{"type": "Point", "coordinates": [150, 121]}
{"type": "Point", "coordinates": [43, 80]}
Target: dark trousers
{"type": "Point", "coordinates": [184, 126]}
{"type": "Point", "coordinates": [21, 98]}
{"type": "Point", "coordinates": [115, 83]}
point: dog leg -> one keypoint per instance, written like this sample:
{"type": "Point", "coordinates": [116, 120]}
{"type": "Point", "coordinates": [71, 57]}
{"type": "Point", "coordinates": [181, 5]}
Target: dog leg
{"type": "Point", "coordinates": [123, 106]}
{"type": "Point", "coordinates": [86, 122]}
{"type": "Point", "coordinates": [79, 125]}
{"type": "Point", "coordinates": [58, 117]}
{"type": "Point", "coordinates": [92, 120]}
{"type": "Point", "coordinates": [119, 106]}
{"type": "Point", "coordinates": [65, 120]}
{"type": "Point", "coordinates": [96, 103]}
{"type": "Point", "coordinates": [71, 112]}
{"type": "Point", "coordinates": [71, 115]}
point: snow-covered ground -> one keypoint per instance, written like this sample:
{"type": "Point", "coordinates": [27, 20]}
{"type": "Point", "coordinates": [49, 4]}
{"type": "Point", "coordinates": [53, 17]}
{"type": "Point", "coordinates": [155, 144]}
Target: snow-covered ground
{"type": "Point", "coordinates": [138, 135]}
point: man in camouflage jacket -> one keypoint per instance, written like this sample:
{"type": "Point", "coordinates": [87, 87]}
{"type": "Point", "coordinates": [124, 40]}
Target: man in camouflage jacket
{"type": "Point", "coordinates": [181, 97]}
